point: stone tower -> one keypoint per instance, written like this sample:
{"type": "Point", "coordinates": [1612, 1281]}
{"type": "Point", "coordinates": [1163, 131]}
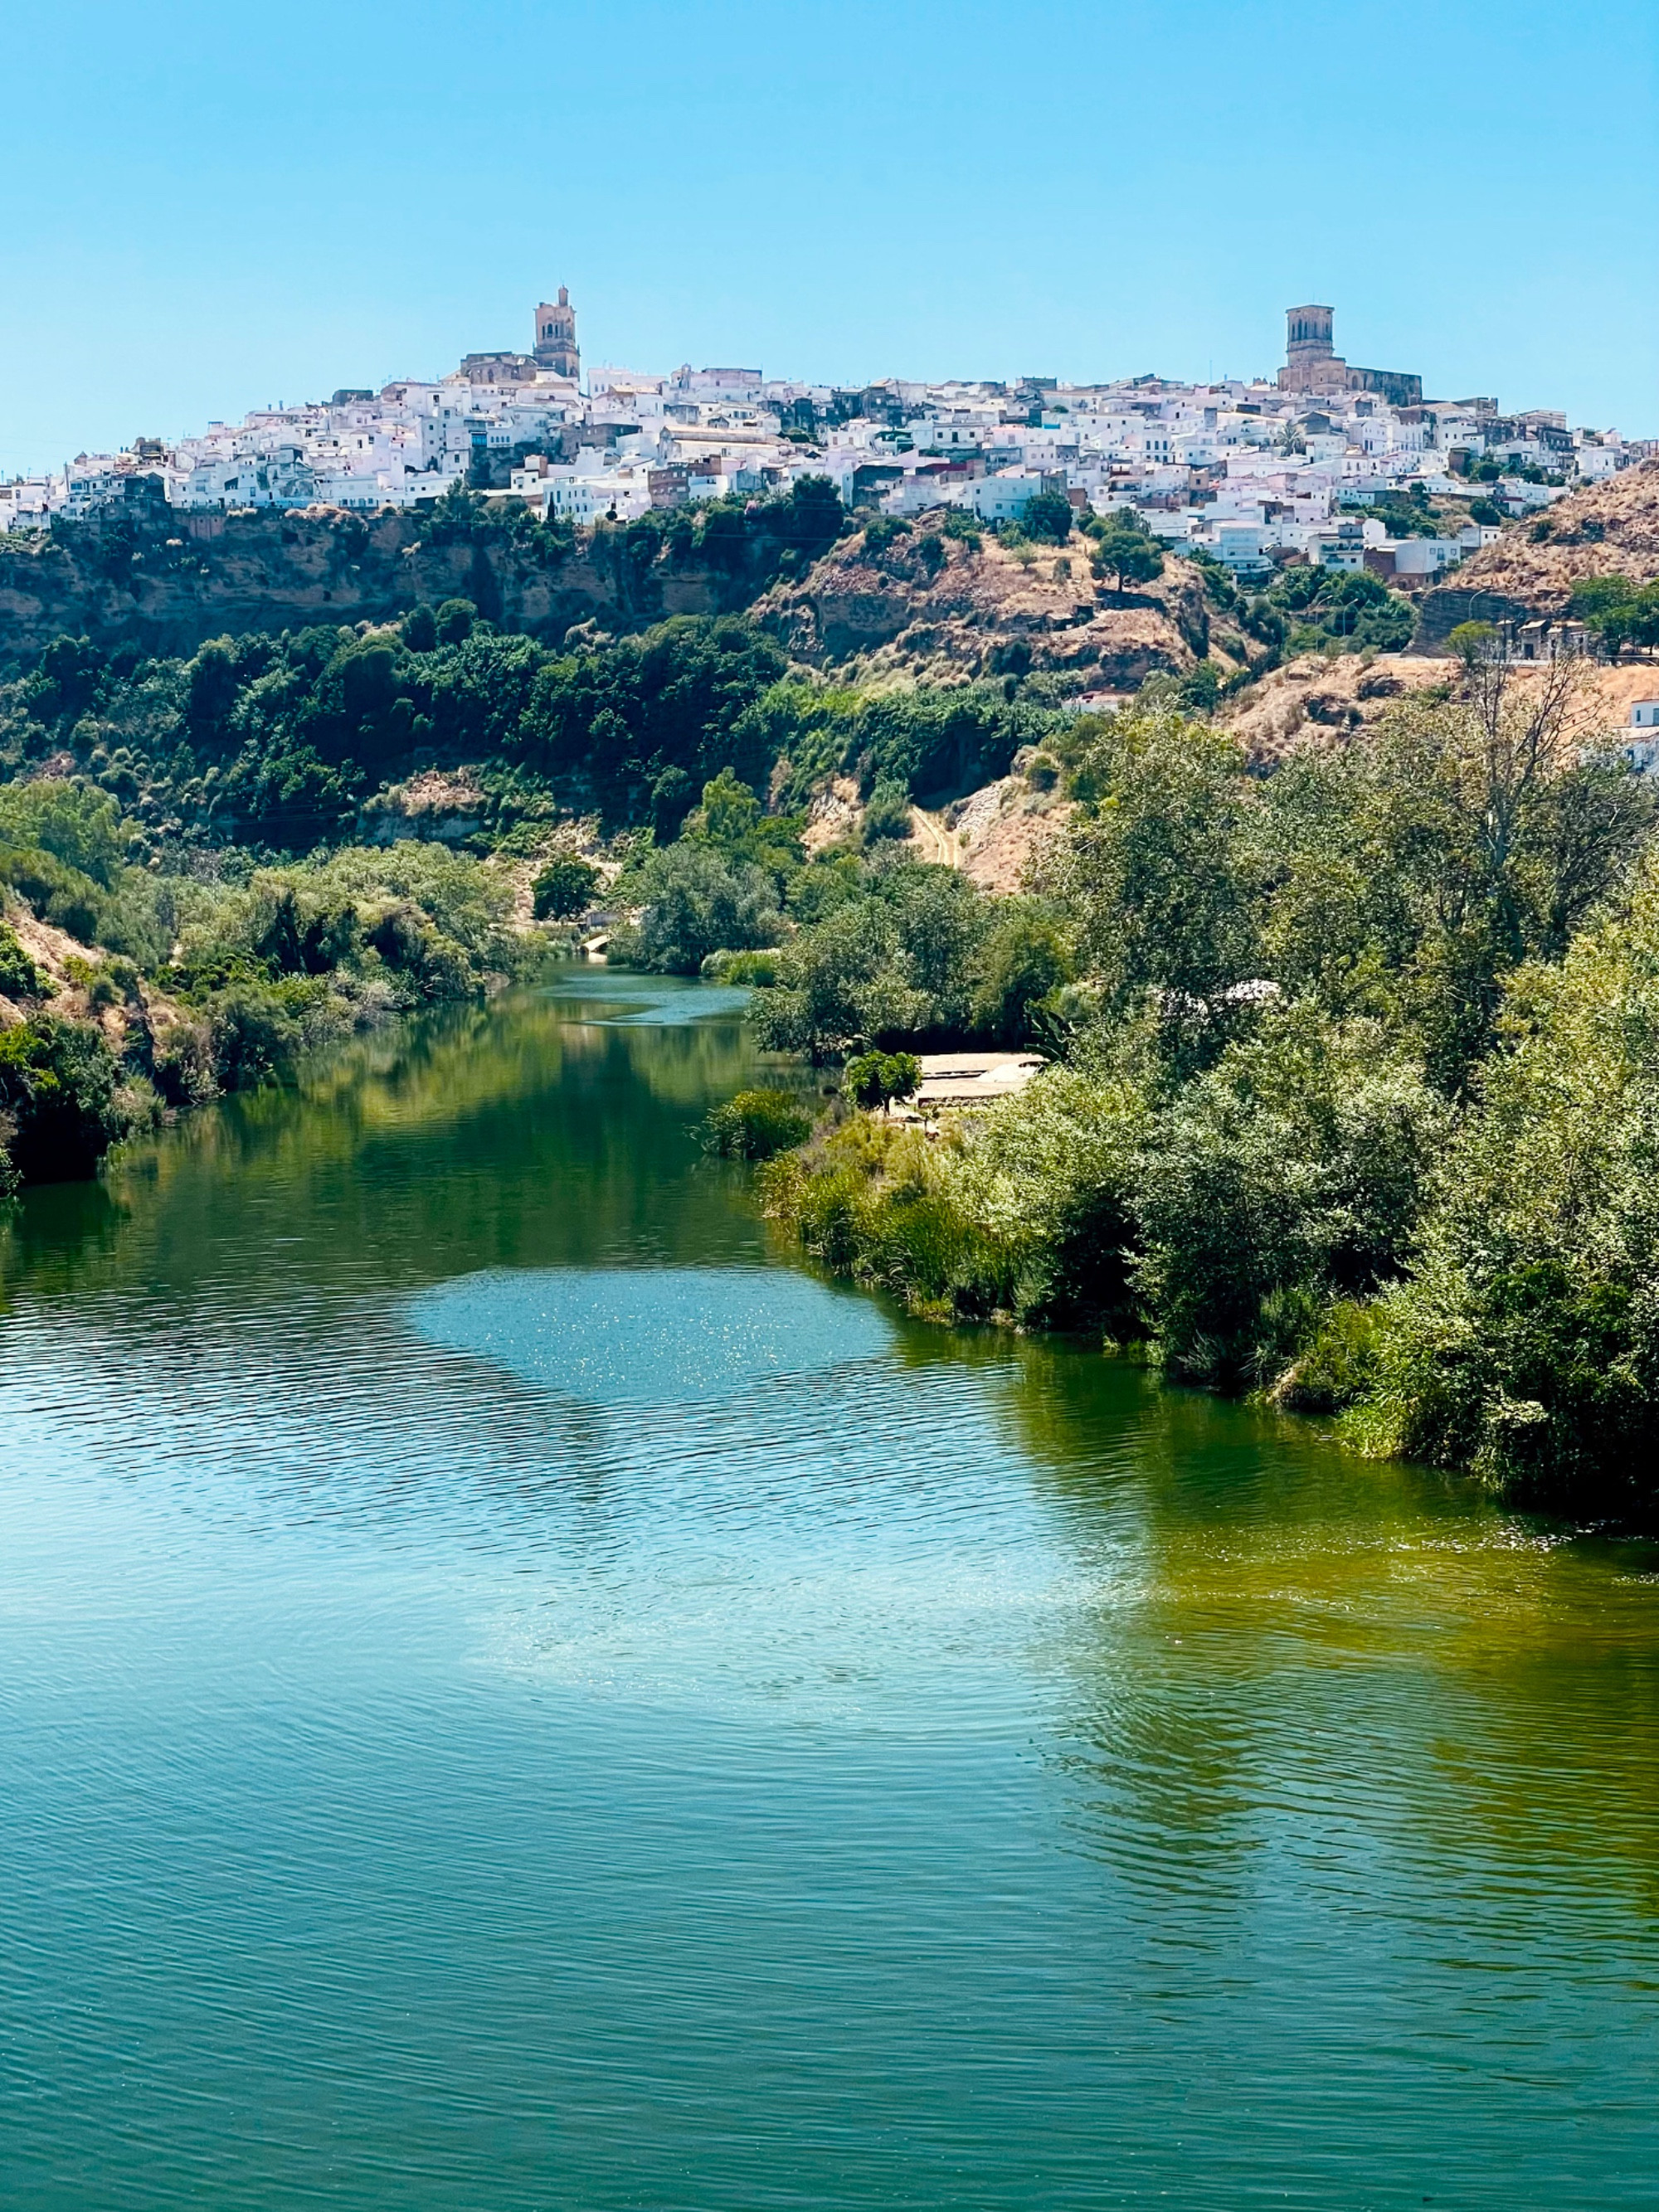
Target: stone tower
{"type": "Point", "coordinates": [556, 337]}
{"type": "Point", "coordinates": [1313, 364]}
{"type": "Point", "coordinates": [1308, 348]}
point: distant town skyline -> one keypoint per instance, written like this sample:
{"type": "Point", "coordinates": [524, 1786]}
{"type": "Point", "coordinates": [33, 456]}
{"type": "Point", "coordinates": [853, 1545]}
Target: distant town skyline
{"type": "Point", "coordinates": [206, 216]}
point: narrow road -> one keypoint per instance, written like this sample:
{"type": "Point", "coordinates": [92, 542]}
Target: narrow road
{"type": "Point", "coordinates": [941, 846]}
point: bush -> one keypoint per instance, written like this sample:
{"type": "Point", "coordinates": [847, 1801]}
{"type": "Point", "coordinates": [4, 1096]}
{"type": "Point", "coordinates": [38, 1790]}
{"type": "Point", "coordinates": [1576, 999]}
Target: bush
{"type": "Point", "coordinates": [747, 969]}
{"type": "Point", "coordinates": [1336, 1367]}
{"type": "Point", "coordinates": [1049, 1181]}
{"type": "Point", "coordinates": [755, 1125]}
{"type": "Point", "coordinates": [59, 893]}
{"type": "Point", "coordinates": [255, 1038]}
{"type": "Point", "coordinates": [887, 812]}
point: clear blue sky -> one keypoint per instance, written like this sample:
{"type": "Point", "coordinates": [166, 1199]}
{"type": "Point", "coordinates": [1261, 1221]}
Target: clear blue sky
{"type": "Point", "coordinates": [209, 206]}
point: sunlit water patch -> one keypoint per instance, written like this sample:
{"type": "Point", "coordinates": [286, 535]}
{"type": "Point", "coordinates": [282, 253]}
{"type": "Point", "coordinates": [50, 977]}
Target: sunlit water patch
{"type": "Point", "coordinates": [620, 1336]}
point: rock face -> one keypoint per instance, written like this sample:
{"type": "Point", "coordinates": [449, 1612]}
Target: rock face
{"type": "Point", "coordinates": [930, 606]}
{"type": "Point", "coordinates": [164, 586]}
{"type": "Point", "coordinates": [1531, 570]}
{"type": "Point", "coordinates": [161, 583]}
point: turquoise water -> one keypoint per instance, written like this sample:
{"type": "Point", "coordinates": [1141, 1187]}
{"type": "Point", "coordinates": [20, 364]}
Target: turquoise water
{"type": "Point", "coordinates": [514, 1695]}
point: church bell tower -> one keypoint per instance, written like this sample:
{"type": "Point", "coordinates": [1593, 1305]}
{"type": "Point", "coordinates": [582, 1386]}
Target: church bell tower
{"type": "Point", "coordinates": [556, 337]}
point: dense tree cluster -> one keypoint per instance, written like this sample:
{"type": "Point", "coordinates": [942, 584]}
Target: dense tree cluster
{"type": "Point", "coordinates": [1355, 1094]}
{"type": "Point", "coordinates": [209, 977]}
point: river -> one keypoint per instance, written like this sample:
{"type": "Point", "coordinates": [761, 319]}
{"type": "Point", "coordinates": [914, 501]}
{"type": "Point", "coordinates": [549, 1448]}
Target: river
{"type": "Point", "coordinates": [515, 1694]}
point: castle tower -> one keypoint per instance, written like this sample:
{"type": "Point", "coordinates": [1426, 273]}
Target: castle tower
{"type": "Point", "coordinates": [556, 337]}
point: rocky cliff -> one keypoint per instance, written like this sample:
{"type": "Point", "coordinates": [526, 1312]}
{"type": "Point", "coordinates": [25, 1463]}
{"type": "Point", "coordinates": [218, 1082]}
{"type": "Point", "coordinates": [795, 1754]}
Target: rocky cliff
{"type": "Point", "coordinates": [163, 586]}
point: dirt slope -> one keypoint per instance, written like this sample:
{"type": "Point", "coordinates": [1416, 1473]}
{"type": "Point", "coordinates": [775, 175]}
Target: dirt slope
{"type": "Point", "coordinates": [990, 612]}
{"type": "Point", "coordinates": [1531, 570]}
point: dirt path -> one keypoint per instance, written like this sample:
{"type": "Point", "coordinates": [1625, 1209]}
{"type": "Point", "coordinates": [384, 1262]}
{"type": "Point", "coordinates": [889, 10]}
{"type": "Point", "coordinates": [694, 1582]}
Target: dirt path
{"type": "Point", "coordinates": [939, 845]}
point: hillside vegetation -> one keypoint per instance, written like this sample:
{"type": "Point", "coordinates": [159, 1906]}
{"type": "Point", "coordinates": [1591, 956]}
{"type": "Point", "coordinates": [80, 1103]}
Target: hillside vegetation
{"type": "Point", "coordinates": [1355, 1090]}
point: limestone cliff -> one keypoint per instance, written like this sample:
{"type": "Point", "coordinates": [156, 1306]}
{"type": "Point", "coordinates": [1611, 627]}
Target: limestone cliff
{"type": "Point", "coordinates": [165, 585]}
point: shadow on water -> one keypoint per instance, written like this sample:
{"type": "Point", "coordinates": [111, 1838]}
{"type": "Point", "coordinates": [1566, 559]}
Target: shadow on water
{"type": "Point", "coordinates": [1286, 1635]}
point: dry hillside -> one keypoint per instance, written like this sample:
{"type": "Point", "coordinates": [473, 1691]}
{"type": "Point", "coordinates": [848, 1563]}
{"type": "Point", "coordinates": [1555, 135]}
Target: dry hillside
{"type": "Point", "coordinates": [1610, 527]}
{"type": "Point", "coordinates": [997, 611]}
{"type": "Point", "coordinates": [1315, 698]}
{"type": "Point", "coordinates": [72, 969]}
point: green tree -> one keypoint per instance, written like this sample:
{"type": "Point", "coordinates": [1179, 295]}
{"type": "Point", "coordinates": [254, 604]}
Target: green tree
{"type": "Point", "coordinates": [842, 985]}
{"type": "Point", "coordinates": [1125, 548]}
{"type": "Point", "coordinates": [1293, 1173]}
{"type": "Point", "coordinates": [874, 1079]}
{"type": "Point", "coordinates": [1472, 643]}
{"type": "Point", "coordinates": [564, 888]}
{"type": "Point", "coordinates": [1023, 959]}
{"type": "Point", "coordinates": [1157, 871]}
{"type": "Point", "coordinates": [1048, 518]}
{"type": "Point", "coordinates": [696, 904]}
{"type": "Point", "coordinates": [1525, 1344]}
{"type": "Point", "coordinates": [58, 1099]}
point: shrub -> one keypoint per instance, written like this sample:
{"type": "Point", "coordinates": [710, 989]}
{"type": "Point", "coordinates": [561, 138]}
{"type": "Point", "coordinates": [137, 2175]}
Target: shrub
{"type": "Point", "coordinates": [182, 1065]}
{"type": "Point", "coordinates": [59, 893]}
{"type": "Point", "coordinates": [1336, 1366]}
{"type": "Point", "coordinates": [755, 1125]}
{"type": "Point", "coordinates": [255, 1038]}
{"type": "Point", "coordinates": [887, 812]}
{"type": "Point", "coordinates": [748, 969]}
{"type": "Point", "coordinates": [1049, 1178]}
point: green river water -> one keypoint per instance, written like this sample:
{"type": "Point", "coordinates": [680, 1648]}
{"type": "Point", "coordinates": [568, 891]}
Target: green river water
{"type": "Point", "coordinates": [513, 1694]}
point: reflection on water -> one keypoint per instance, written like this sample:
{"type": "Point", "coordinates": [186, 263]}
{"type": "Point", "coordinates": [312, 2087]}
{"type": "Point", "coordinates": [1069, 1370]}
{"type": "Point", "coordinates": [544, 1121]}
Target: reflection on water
{"type": "Point", "coordinates": [515, 1693]}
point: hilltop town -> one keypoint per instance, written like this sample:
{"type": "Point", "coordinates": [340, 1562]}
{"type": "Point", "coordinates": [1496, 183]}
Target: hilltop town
{"type": "Point", "coordinates": [1334, 465]}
